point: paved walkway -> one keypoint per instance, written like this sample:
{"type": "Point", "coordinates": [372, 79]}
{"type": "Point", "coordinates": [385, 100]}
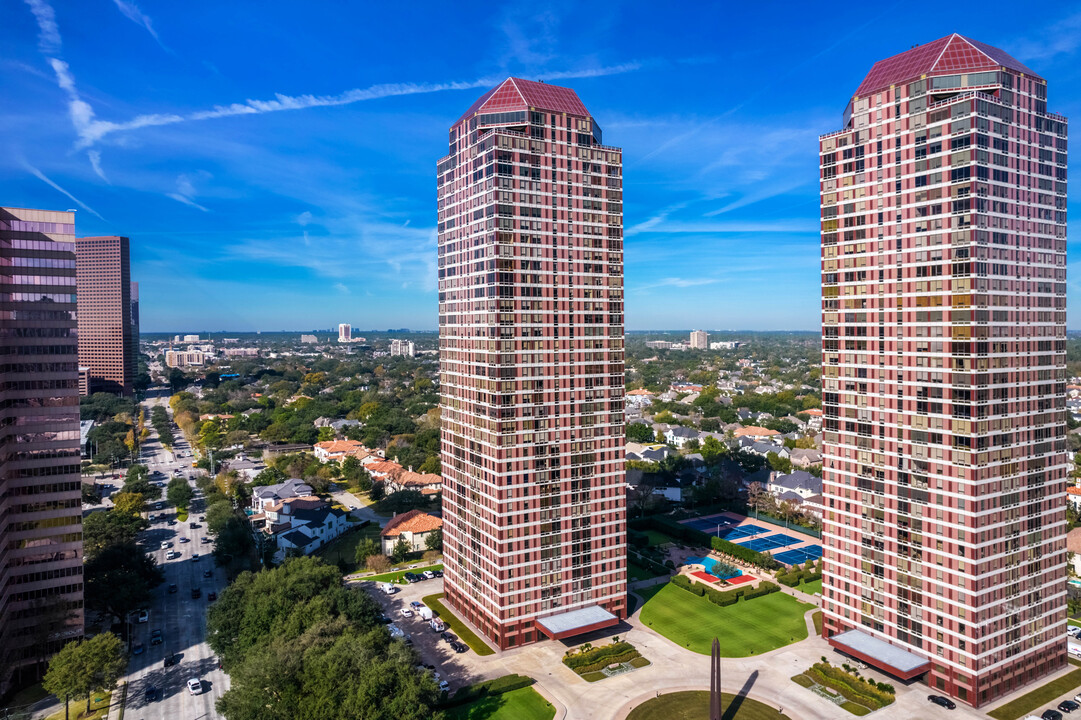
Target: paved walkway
{"type": "Point", "coordinates": [356, 508]}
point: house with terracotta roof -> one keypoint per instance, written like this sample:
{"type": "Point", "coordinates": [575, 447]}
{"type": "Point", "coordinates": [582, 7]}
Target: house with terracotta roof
{"type": "Point", "coordinates": [384, 470]}
{"type": "Point", "coordinates": [1073, 495]}
{"type": "Point", "coordinates": [425, 483]}
{"type": "Point", "coordinates": [336, 450]}
{"type": "Point", "coordinates": [415, 526]}
{"type": "Point", "coordinates": [755, 433]}
{"type": "Point", "coordinates": [639, 398]}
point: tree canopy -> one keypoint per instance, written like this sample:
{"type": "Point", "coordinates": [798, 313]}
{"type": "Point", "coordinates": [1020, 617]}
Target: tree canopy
{"type": "Point", "coordinates": [85, 667]}
{"type": "Point", "coordinates": [119, 578]}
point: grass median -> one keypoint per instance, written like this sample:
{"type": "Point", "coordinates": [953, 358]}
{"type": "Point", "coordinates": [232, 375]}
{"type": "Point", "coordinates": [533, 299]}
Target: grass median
{"type": "Point", "coordinates": [1040, 696]}
{"type": "Point", "coordinates": [456, 626]}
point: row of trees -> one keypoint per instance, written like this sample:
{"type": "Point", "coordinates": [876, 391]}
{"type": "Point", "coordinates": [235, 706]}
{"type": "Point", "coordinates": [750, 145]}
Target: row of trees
{"type": "Point", "coordinates": [370, 555]}
{"type": "Point", "coordinates": [159, 418]}
{"type": "Point", "coordinates": [288, 636]}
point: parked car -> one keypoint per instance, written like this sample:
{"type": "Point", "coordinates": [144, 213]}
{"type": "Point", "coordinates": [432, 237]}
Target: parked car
{"type": "Point", "coordinates": [444, 686]}
{"type": "Point", "coordinates": [942, 700]}
{"type": "Point", "coordinates": [416, 605]}
{"type": "Point", "coordinates": [448, 636]}
{"type": "Point", "coordinates": [428, 574]}
{"type": "Point", "coordinates": [211, 596]}
{"type": "Point", "coordinates": [137, 649]}
{"type": "Point", "coordinates": [458, 647]}
{"type": "Point", "coordinates": [155, 636]}
{"type": "Point", "coordinates": [195, 686]}
{"type": "Point", "coordinates": [387, 588]}
{"type": "Point", "coordinates": [411, 577]}
{"type": "Point", "coordinates": [1068, 706]}
{"type": "Point", "coordinates": [437, 573]}
{"type": "Point", "coordinates": [406, 612]}
{"type": "Point", "coordinates": [196, 593]}
{"type": "Point", "coordinates": [1051, 715]}
{"type": "Point", "coordinates": [144, 616]}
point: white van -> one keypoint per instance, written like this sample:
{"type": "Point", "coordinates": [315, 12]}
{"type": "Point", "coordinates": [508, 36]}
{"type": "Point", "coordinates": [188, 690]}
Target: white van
{"type": "Point", "coordinates": [387, 588]}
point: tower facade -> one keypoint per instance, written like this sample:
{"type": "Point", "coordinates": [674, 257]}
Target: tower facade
{"type": "Point", "coordinates": [943, 367]}
{"type": "Point", "coordinates": [531, 366]}
{"type": "Point", "coordinates": [107, 345]}
{"type": "Point", "coordinates": [41, 548]}
{"type": "Point", "coordinates": [345, 332]}
{"type": "Point", "coordinates": [699, 340]}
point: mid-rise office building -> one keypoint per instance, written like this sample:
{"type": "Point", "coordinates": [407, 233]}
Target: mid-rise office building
{"type": "Point", "coordinates": [531, 366]}
{"type": "Point", "coordinates": [943, 371]}
{"type": "Point", "coordinates": [699, 340]}
{"type": "Point", "coordinates": [106, 344]}
{"type": "Point", "coordinates": [345, 332]}
{"type": "Point", "coordinates": [41, 550]}
{"type": "Point", "coordinates": [185, 358]}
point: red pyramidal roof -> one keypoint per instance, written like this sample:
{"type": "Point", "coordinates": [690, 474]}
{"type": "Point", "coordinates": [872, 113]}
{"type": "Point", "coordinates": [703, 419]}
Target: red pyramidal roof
{"type": "Point", "coordinates": [517, 94]}
{"type": "Point", "coordinates": [946, 56]}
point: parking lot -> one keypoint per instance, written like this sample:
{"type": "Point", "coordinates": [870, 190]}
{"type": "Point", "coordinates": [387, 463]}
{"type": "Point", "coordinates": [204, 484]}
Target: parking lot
{"type": "Point", "coordinates": [458, 669]}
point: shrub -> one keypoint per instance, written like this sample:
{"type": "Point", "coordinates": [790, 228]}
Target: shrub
{"type": "Point", "coordinates": [789, 580]}
{"type": "Point", "coordinates": [597, 655]}
{"type": "Point", "coordinates": [610, 660]}
{"type": "Point", "coordinates": [850, 686]}
{"type": "Point", "coordinates": [682, 581]}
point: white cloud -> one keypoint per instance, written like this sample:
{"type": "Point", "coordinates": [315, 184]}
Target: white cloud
{"type": "Point", "coordinates": [304, 218]}
{"type": "Point", "coordinates": [41, 176]}
{"type": "Point", "coordinates": [95, 162]}
{"type": "Point", "coordinates": [680, 282]}
{"type": "Point", "coordinates": [48, 33]}
{"type": "Point", "coordinates": [340, 287]}
{"type": "Point", "coordinates": [185, 191]}
{"type": "Point", "coordinates": [132, 12]}
{"type": "Point", "coordinates": [186, 200]}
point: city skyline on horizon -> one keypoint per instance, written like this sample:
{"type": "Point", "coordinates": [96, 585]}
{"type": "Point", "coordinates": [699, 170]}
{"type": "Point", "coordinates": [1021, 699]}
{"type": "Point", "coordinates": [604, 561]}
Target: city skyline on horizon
{"type": "Point", "coordinates": [274, 210]}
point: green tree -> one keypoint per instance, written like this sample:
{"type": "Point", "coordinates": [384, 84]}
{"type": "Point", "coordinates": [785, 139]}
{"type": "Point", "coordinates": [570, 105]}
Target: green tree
{"type": "Point", "coordinates": [778, 463]}
{"type": "Point", "coordinates": [401, 550]}
{"type": "Point", "coordinates": [128, 503]}
{"type": "Point", "coordinates": [639, 432]}
{"type": "Point", "coordinates": [179, 493]}
{"type": "Point", "coordinates": [326, 434]}
{"type": "Point", "coordinates": [269, 476]}
{"type": "Point", "coordinates": [434, 541]}
{"type": "Point", "coordinates": [210, 437]}
{"type": "Point", "coordinates": [713, 450]}
{"type": "Point", "coordinates": [119, 579]}
{"type": "Point", "coordinates": [365, 549]}
{"type": "Point", "coordinates": [102, 529]}
{"type": "Point", "coordinates": [85, 667]}
{"type": "Point", "coordinates": [218, 515]}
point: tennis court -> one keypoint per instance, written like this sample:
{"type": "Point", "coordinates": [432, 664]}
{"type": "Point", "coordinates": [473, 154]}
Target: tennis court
{"type": "Point", "coordinates": [710, 525]}
{"type": "Point", "coordinates": [759, 544]}
{"type": "Point", "coordinates": [799, 555]}
{"type": "Point", "coordinates": [743, 531]}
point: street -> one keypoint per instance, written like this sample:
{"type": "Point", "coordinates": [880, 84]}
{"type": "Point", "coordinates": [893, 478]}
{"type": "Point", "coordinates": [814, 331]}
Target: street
{"type": "Point", "coordinates": [180, 617]}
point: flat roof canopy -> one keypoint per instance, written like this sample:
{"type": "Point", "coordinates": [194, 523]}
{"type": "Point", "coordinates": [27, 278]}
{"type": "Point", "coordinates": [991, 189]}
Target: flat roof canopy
{"type": "Point", "coordinates": [576, 622]}
{"type": "Point", "coordinates": [884, 656]}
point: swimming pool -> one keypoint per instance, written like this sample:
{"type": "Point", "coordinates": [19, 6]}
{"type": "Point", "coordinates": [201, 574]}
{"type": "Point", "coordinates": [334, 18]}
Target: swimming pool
{"type": "Point", "coordinates": [715, 567]}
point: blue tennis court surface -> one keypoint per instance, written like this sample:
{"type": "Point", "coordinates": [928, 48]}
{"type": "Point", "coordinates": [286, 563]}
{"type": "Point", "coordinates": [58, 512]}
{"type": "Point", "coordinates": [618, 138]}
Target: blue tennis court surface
{"type": "Point", "coordinates": [800, 555]}
{"type": "Point", "coordinates": [758, 544]}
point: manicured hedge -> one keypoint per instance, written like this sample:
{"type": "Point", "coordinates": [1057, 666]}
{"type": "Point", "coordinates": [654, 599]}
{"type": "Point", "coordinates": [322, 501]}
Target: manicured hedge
{"type": "Point", "coordinates": [724, 598]}
{"type": "Point", "coordinates": [595, 655]}
{"type": "Point", "coordinates": [602, 664]}
{"type": "Point", "coordinates": [488, 688]}
{"type": "Point", "coordinates": [853, 688]}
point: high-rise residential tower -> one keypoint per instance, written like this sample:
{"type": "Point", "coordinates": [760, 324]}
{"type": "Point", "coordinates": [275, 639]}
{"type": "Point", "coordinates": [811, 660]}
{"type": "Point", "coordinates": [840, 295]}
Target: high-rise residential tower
{"type": "Point", "coordinates": [531, 366]}
{"type": "Point", "coordinates": [943, 371]}
{"type": "Point", "coordinates": [41, 549]}
{"type": "Point", "coordinates": [106, 345]}
{"type": "Point", "coordinates": [699, 340]}
{"type": "Point", "coordinates": [345, 332]}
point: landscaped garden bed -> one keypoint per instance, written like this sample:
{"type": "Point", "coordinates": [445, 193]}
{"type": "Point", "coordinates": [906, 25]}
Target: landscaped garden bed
{"type": "Point", "coordinates": [598, 663]}
{"type": "Point", "coordinates": [845, 687]}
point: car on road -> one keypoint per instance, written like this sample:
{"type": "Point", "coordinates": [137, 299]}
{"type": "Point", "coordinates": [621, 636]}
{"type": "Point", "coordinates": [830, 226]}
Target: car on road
{"type": "Point", "coordinates": [172, 554]}
{"type": "Point", "coordinates": [137, 649]}
{"type": "Point", "coordinates": [184, 540]}
{"type": "Point", "coordinates": [211, 596]}
{"type": "Point", "coordinates": [202, 518]}
{"type": "Point", "coordinates": [193, 525]}
{"type": "Point", "coordinates": [942, 700]}
{"type": "Point", "coordinates": [144, 616]}
{"type": "Point", "coordinates": [196, 593]}
{"type": "Point", "coordinates": [151, 518]}
{"type": "Point", "coordinates": [171, 660]}
{"type": "Point", "coordinates": [172, 521]}
{"type": "Point", "coordinates": [155, 636]}
{"type": "Point", "coordinates": [406, 612]}
{"type": "Point", "coordinates": [150, 694]}
{"type": "Point", "coordinates": [172, 588]}
{"type": "Point", "coordinates": [1068, 706]}
{"type": "Point", "coordinates": [165, 544]}
{"type": "Point", "coordinates": [208, 573]}
{"type": "Point", "coordinates": [195, 557]}
{"type": "Point", "coordinates": [458, 647]}
{"type": "Point", "coordinates": [195, 686]}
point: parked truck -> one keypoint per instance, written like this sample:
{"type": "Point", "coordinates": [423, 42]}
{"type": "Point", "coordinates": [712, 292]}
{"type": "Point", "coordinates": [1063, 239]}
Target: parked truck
{"type": "Point", "coordinates": [437, 625]}
{"type": "Point", "coordinates": [425, 612]}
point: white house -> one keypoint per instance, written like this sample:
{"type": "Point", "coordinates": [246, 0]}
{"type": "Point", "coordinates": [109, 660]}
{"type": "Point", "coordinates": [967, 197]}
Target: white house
{"type": "Point", "coordinates": [414, 526]}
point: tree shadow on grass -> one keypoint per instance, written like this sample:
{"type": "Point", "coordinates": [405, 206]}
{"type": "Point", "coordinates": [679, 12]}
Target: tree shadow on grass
{"type": "Point", "coordinates": [481, 709]}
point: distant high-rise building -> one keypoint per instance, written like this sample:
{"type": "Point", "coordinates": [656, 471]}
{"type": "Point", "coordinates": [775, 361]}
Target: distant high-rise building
{"type": "Point", "coordinates": [944, 371]}
{"type": "Point", "coordinates": [41, 549]}
{"type": "Point", "coordinates": [345, 332]}
{"type": "Point", "coordinates": [106, 345]}
{"type": "Point", "coordinates": [699, 340]}
{"type": "Point", "coordinates": [531, 366]}
{"type": "Point", "coordinates": [135, 328]}
{"type": "Point", "coordinates": [309, 339]}
{"type": "Point", "coordinates": [402, 347]}
{"type": "Point", "coordinates": [184, 358]}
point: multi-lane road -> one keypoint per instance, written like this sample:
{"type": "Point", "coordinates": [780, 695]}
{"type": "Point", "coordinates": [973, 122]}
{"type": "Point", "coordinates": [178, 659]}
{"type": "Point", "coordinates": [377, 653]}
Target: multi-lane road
{"type": "Point", "coordinates": [180, 617]}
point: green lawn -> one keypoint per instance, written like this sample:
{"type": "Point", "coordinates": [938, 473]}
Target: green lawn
{"type": "Point", "coordinates": [456, 626]}
{"type": "Point", "coordinates": [694, 705]}
{"type": "Point", "coordinates": [99, 708]}
{"type": "Point", "coordinates": [1075, 623]}
{"type": "Point", "coordinates": [521, 704]}
{"type": "Point", "coordinates": [397, 575]}
{"type": "Point", "coordinates": [1040, 696]}
{"type": "Point", "coordinates": [815, 586]}
{"type": "Point", "coordinates": [746, 628]}
{"type": "Point", "coordinates": [636, 572]}
{"type": "Point", "coordinates": [345, 546]}
{"type": "Point", "coordinates": [658, 538]}
{"type": "Point", "coordinates": [817, 620]}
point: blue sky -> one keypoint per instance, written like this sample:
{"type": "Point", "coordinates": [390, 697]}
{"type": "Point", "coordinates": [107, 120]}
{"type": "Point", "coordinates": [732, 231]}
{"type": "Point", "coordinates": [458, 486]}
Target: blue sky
{"type": "Point", "coordinates": [273, 162]}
